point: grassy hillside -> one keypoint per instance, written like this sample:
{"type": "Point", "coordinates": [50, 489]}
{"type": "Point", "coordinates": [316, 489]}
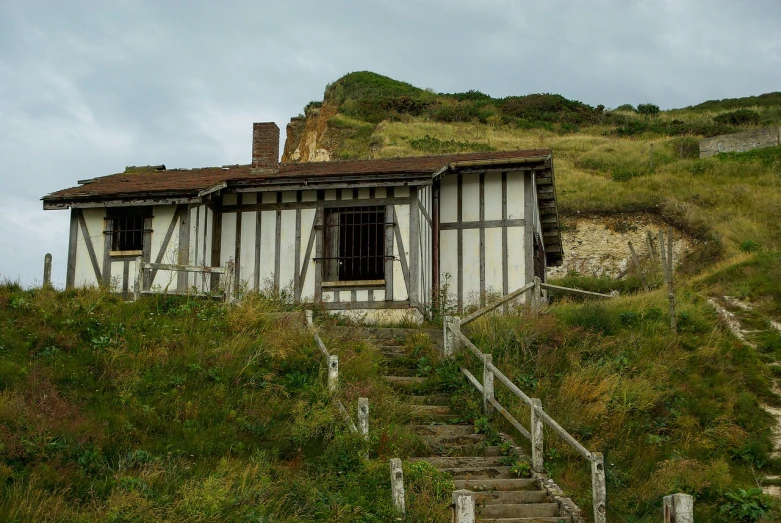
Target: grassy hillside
{"type": "Point", "coordinates": [184, 410]}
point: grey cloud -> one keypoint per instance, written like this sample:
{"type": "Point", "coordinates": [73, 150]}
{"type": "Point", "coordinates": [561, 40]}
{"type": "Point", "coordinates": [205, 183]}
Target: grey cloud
{"type": "Point", "coordinates": [89, 87]}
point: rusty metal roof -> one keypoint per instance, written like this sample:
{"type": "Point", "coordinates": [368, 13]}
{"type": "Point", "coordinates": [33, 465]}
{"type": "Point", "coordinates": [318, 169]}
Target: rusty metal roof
{"type": "Point", "coordinates": [188, 182]}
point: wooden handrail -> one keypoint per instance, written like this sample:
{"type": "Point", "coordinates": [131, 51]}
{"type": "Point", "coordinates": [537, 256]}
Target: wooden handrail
{"type": "Point", "coordinates": [538, 417]}
{"type": "Point", "coordinates": [182, 268]}
{"type": "Point", "coordinates": [576, 291]}
{"type": "Point", "coordinates": [500, 301]}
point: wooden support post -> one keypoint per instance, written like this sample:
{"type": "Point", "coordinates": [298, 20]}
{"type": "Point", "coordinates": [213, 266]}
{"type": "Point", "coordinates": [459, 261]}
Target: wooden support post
{"type": "Point", "coordinates": [308, 313]}
{"type": "Point", "coordinates": [463, 507]}
{"type": "Point", "coordinates": [488, 384]}
{"type": "Point", "coordinates": [139, 278]}
{"type": "Point", "coordinates": [452, 343]}
{"type": "Point", "coordinates": [363, 421]}
{"type": "Point", "coordinates": [333, 373]}
{"type": "Point", "coordinates": [636, 261]}
{"type": "Point", "coordinates": [678, 508]}
{"type": "Point", "coordinates": [397, 486]}
{"type": "Point", "coordinates": [537, 293]}
{"type": "Point", "coordinates": [670, 286]}
{"type": "Point", "coordinates": [538, 446]}
{"type": "Point", "coordinates": [47, 270]}
{"type": "Point", "coordinates": [650, 240]}
{"type": "Point", "coordinates": [651, 159]}
{"type": "Point", "coordinates": [598, 489]}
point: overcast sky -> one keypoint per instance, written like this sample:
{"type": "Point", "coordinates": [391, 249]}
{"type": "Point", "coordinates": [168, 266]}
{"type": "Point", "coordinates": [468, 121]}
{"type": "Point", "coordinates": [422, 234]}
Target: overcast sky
{"type": "Point", "coordinates": [88, 87]}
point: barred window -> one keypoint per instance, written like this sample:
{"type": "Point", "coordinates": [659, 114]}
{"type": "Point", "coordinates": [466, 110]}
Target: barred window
{"type": "Point", "coordinates": [127, 228]}
{"type": "Point", "coordinates": [355, 244]}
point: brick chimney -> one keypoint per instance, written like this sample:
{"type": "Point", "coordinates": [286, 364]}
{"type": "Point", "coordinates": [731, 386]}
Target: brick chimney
{"type": "Point", "coordinates": [265, 148]}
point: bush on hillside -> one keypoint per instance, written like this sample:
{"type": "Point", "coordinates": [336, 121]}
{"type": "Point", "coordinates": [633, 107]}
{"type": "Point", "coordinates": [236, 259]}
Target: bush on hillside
{"type": "Point", "coordinates": [648, 109]}
{"type": "Point", "coordinates": [739, 117]}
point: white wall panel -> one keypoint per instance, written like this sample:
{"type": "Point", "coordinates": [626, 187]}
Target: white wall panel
{"type": "Point", "coordinates": [402, 218]}
{"type": "Point", "coordinates": [471, 266]}
{"type": "Point", "coordinates": [493, 259]}
{"type": "Point", "coordinates": [470, 192]}
{"type": "Point", "coordinates": [448, 199]}
{"type": "Point", "coordinates": [268, 234]}
{"type": "Point", "coordinates": [287, 249]}
{"type": "Point", "coordinates": [248, 226]}
{"type": "Point", "coordinates": [515, 251]}
{"type": "Point", "coordinates": [308, 285]}
{"type": "Point", "coordinates": [493, 196]}
{"type": "Point", "coordinates": [515, 195]}
{"type": "Point", "coordinates": [448, 261]}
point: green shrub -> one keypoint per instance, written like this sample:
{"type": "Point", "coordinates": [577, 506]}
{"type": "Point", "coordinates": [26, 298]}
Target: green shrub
{"type": "Point", "coordinates": [648, 109]}
{"type": "Point", "coordinates": [434, 145]}
{"type": "Point", "coordinates": [739, 117]}
{"type": "Point", "coordinates": [746, 505]}
{"type": "Point", "coordinates": [626, 108]}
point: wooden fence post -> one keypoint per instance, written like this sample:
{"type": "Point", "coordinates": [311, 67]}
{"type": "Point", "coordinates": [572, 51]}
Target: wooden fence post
{"type": "Point", "coordinates": [139, 278]}
{"type": "Point", "coordinates": [308, 313]}
{"type": "Point", "coordinates": [598, 489]}
{"type": "Point", "coordinates": [397, 485]}
{"type": "Point", "coordinates": [537, 296]}
{"type": "Point", "coordinates": [47, 270]}
{"type": "Point", "coordinates": [650, 240]}
{"type": "Point", "coordinates": [488, 384]}
{"type": "Point", "coordinates": [452, 343]}
{"type": "Point", "coordinates": [536, 427]}
{"type": "Point", "coordinates": [678, 508]}
{"type": "Point", "coordinates": [636, 261]}
{"type": "Point", "coordinates": [333, 373]}
{"type": "Point", "coordinates": [463, 507]}
{"type": "Point", "coordinates": [363, 421]}
{"type": "Point", "coordinates": [667, 271]}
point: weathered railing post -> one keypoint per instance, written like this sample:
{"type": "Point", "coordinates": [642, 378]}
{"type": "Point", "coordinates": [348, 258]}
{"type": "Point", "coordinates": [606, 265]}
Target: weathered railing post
{"type": "Point", "coordinates": [397, 485]}
{"type": "Point", "coordinates": [363, 421]}
{"type": "Point", "coordinates": [47, 270]}
{"type": "Point", "coordinates": [598, 489]}
{"type": "Point", "coordinates": [452, 343]}
{"type": "Point", "coordinates": [139, 278]}
{"type": "Point", "coordinates": [678, 508]}
{"type": "Point", "coordinates": [333, 373]}
{"type": "Point", "coordinates": [308, 313]}
{"type": "Point", "coordinates": [536, 427]}
{"type": "Point", "coordinates": [537, 293]}
{"type": "Point", "coordinates": [463, 507]}
{"type": "Point", "coordinates": [488, 384]}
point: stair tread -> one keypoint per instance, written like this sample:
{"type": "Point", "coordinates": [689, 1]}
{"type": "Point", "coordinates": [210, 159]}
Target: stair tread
{"type": "Point", "coordinates": [495, 484]}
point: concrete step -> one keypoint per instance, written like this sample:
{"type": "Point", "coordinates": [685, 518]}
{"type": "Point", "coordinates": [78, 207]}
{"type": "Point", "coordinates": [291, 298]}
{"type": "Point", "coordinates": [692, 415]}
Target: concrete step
{"type": "Point", "coordinates": [486, 472]}
{"type": "Point", "coordinates": [450, 462]}
{"type": "Point", "coordinates": [432, 413]}
{"type": "Point", "coordinates": [519, 510]}
{"type": "Point", "coordinates": [393, 351]}
{"type": "Point", "coordinates": [405, 381]}
{"type": "Point", "coordinates": [478, 485]}
{"type": "Point", "coordinates": [429, 399]}
{"type": "Point", "coordinates": [554, 519]}
{"type": "Point", "coordinates": [510, 497]}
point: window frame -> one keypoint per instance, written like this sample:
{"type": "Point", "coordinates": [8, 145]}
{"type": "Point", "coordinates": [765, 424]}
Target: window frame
{"type": "Point", "coordinates": [116, 224]}
{"type": "Point", "coordinates": [370, 217]}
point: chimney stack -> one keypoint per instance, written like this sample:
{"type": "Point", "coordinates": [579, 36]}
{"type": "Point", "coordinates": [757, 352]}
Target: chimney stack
{"type": "Point", "coordinates": [265, 148]}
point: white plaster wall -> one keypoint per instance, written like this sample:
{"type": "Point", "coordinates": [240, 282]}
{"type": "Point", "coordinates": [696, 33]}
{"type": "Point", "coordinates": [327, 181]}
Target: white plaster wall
{"type": "Point", "coordinates": [493, 257]}
{"type": "Point", "coordinates": [493, 196]}
{"type": "Point", "coordinates": [307, 224]}
{"type": "Point", "coordinates": [268, 247]}
{"type": "Point", "coordinates": [163, 214]}
{"type": "Point", "coordinates": [248, 265]}
{"type": "Point", "coordinates": [402, 218]}
{"type": "Point", "coordinates": [515, 195]}
{"type": "Point", "coordinates": [287, 248]}
{"type": "Point", "coordinates": [516, 270]}
{"type": "Point", "coordinates": [85, 273]}
{"type": "Point", "coordinates": [448, 262]}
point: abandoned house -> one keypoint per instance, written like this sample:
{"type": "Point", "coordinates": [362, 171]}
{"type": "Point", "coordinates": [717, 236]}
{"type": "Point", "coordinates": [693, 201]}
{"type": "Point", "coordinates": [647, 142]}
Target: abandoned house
{"type": "Point", "coordinates": [358, 235]}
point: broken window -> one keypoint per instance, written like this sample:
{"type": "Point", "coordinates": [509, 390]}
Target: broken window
{"type": "Point", "coordinates": [355, 244]}
{"type": "Point", "coordinates": [126, 228]}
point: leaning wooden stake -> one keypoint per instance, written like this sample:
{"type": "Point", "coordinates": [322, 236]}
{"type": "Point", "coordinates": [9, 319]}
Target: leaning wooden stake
{"type": "Point", "coordinates": [333, 373]}
{"type": "Point", "coordinates": [598, 490]}
{"type": "Point", "coordinates": [397, 486]}
{"type": "Point", "coordinates": [47, 270]}
{"type": "Point", "coordinates": [667, 270]}
{"type": "Point", "coordinates": [636, 261]}
{"type": "Point", "coordinates": [650, 241]}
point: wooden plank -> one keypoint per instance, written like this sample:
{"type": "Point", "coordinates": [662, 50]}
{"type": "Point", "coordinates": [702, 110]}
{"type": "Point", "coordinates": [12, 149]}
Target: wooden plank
{"type": "Point", "coordinates": [308, 255]}
{"type": "Point", "coordinates": [216, 243]}
{"type": "Point", "coordinates": [137, 202]}
{"type": "Point", "coordinates": [184, 268]}
{"type": "Point", "coordinates": [73, 239]}
{"type": "Point", "coordinates": [332, 306]}
{"type": "Point", "coordinates": [146, 248]}
{"type": "Point", "coordinates": [460, 246]}
{"type": "Point", "coordinates": [278, 245]}
{"type": "Point", "coordinates": [505, 256]}
{"type": "Point", "coordinates": [107, 237]}
{"type": "Point", "coordinates": [283, 206]}
{"type": "Point", "coordinates": [414, 247]}
{"type": "Point", "coordinates": [297, 254]}
{"type": "Point", "coordinates": [528, 230]}
{"type": "Point", "coordinates": [318, 232]}
{"type": "Point", "coordinates": [491, 306]}
{"type": "Point", "coordinates": [237, 253]}
{"type": "Point", "coordinates": [424, 212]}
{"type": "Point", "coordinates": [487, 224]}
{"type": "Point", "coordinates": [482, 240]}
{"type": "Point", "coordinates": [339, 182]}
{"type": "Point", "coordinates": [183, 248]}
{"type": "Point", "coordinates": [402, 257]}
{"type": "Point", "coordinates": [574, 291]}
{"type": "Point", "coordinates": [166, 241]}
{"type": "Point", "coordinates": [90, 249]}
{"type": "Point", "coordinates": [389, 221]}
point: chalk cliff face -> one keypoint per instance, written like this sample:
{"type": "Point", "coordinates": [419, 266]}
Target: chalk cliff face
{"type": "Point", "coordinates": [309, 138]}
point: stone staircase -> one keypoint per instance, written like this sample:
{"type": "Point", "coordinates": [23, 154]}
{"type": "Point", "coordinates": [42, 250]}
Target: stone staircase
{"type": "Point", "coordinates": [453, 447]}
